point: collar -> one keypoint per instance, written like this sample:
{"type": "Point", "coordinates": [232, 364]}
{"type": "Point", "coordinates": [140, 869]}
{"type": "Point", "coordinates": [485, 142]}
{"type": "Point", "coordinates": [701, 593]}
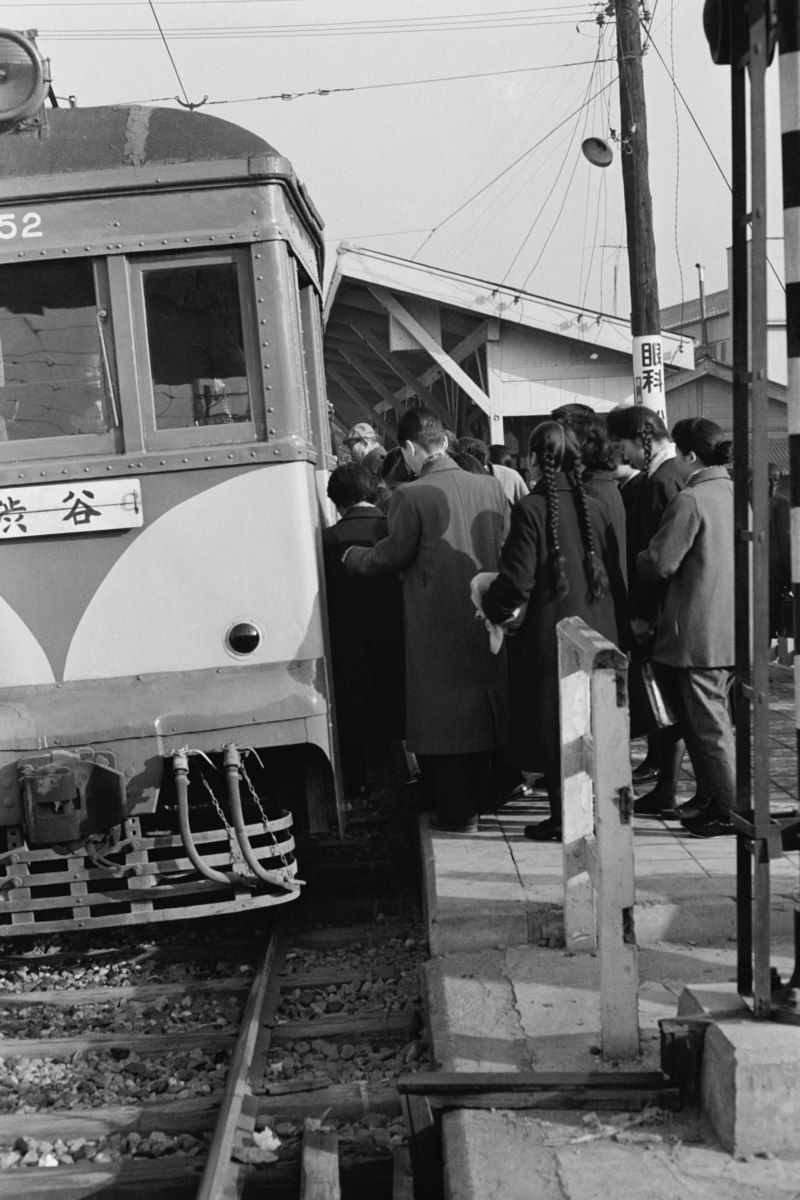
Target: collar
{"type": "Point", "coordinates": [361, 509]}
{"type": "Point", "coordinates": [445, 463]}
{"type": "Point", "coordinates": [702, 474]}
{"type": "Point", "coordinates": [664, 455]}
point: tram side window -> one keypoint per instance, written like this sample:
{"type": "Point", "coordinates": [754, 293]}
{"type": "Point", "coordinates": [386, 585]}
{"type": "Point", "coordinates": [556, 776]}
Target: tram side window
{"type": "Point", "coordinates": [194, 333]}
{"type": "Point", "coordinates": [54, 367]}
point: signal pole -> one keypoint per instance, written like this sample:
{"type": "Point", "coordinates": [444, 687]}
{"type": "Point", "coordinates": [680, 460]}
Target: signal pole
{"type": "Point", "coordinates": [648, 365]}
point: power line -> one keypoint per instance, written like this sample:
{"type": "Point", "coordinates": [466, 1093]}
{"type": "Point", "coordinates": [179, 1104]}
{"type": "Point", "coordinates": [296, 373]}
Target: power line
{"type": "Point", "coordinates": [510, 166]}
{"type": "Point", "coordinates": [370, 87]}
{"type": "Point", "coordinates": [169, 52]}
{"type": "Point", "coordinates": [508, 19]}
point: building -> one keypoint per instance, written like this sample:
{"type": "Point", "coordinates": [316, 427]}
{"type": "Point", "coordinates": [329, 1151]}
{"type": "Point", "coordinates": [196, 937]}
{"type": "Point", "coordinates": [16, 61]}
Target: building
{"type": "Point", "coordinates": [491, 360]}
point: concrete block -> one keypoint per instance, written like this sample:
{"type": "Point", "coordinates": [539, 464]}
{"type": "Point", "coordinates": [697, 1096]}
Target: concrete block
{"type": "Point", "coordinates": [750, 1086]}
{"type": "Point", "coordinates": [473, 895]}
{"type": "Point", "coordinates": [718, 1000]}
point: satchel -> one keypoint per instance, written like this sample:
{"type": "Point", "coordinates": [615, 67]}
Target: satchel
{"type": "Point", "coordinates": [649, 706]}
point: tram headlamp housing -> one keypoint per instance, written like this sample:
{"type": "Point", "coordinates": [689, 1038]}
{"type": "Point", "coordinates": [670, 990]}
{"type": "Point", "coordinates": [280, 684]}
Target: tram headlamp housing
{"type": "Point", "coordinates": [243, 638]}
{"type": "Point", "coordinates": [23, 78]}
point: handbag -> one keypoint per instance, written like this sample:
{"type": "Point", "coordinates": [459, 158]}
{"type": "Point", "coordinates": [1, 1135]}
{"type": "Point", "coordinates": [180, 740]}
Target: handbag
{"type": "Point", "coordinates": [649, 706]}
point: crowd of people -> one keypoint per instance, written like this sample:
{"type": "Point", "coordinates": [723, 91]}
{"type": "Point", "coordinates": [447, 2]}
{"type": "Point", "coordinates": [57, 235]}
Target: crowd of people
{"type": "Point", "coordinates": [447, 576]}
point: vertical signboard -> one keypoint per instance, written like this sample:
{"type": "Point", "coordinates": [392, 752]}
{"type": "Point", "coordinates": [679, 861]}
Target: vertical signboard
{"type": "Point", "coordinates": [648, 374]}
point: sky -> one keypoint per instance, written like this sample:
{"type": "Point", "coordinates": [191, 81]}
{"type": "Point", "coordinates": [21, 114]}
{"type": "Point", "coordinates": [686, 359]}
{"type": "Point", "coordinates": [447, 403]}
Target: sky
{"type": "Point", "coordinates": [481, 174]}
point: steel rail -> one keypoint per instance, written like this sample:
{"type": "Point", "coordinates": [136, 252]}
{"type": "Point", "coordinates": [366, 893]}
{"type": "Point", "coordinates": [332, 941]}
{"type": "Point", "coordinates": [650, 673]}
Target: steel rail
{"type": "Point", "coordinates": [217, 1174]}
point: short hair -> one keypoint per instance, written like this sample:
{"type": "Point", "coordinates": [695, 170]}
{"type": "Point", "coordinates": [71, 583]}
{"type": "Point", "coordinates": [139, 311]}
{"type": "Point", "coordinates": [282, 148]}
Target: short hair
{"type": "Point", "coordinates": [712, 445]}
{"type": "Point", "coordinates": [475, 447]}
{"type": "Point", "coordinates": [500, 455]}
{"type": "Point", "coordinates": [468, 462]}
{"type": "Point", "coordinates": [394, 470]}
{"type": "Point", "coordinates": [351, 484]}
{"type": "Point", "coordinates": [422, 426]}
{"type": "Point", "coordinates": [631, 420]}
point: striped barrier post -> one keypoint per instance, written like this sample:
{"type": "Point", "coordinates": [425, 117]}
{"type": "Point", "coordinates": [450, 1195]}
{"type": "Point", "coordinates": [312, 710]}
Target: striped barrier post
{"type": "Point", "coordinates": [789, 60]}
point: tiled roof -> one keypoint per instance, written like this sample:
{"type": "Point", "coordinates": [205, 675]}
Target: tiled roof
{"type": "Point", "coordinates": [688, 313]}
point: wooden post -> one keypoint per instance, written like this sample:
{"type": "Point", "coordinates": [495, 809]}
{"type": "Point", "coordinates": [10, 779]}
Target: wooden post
{"type": "Point", "coordinates": [648, 367]}
{"type": "Point", "coordinates": [598, 824]}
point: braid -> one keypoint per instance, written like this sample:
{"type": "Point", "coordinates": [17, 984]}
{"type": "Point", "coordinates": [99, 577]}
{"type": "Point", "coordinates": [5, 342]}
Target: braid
{"type": "Point", "coordinates": [549, 474]}
{"type": "Point", "coordinates": [647, 443]}
{"type": "Point", "coordinates": [595, 571]}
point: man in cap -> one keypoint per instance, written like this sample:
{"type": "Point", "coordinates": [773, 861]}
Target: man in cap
{"type": "Point", "coordinates": [362, 442]}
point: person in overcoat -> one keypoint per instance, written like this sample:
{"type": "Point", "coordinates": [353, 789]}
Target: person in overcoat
{"type": "Point", "coordinates": [562, 558]}
{"type": "Point", "coordinates": [365, 621]}
{"type": "Point", "coordinates": [644, 442]}
{"type": "Point", "coordinates": [692, 552]}
{"type": "Point", "coordinates": [444, 528]}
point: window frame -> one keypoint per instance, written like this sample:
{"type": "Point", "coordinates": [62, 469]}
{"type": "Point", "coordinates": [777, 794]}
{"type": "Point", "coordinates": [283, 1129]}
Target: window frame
{"type": "Point", "coordinates": [80, 445]}
{"type": "Point", "coordinates": [189, 436]}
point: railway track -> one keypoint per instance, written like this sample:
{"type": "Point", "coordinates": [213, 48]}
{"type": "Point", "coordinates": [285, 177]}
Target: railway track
{"type": "Point", "coordinates": [214, 1072]}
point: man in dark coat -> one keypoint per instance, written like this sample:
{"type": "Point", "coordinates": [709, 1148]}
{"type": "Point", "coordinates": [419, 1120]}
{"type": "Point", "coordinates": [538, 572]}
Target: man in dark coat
{"type": "Point", "coordinates": [444, 528]}
{"type": "Point", "coordinates": [365, 620]}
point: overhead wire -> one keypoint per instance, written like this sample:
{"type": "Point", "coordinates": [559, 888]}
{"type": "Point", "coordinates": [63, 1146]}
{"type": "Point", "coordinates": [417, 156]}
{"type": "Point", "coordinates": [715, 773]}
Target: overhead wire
{"type": "Point", "coordinates": [371, 87]}
{"type": "Point", "coordinates": [493, 209]}
{"type": "Point", "coordinates": [705, 141]}
{"type": "Point", "coordinates": [560, 209]}
{"type": "Point", "coordinates": [556, 180]}
{"type": "Point", "coordinates": [677, 151]}
{"type": "Point", "coordinates": [504, 19]}
{"type": "Point", "coordinates": [504, 172]}
{"type": "Point", "coordinates": [169, 52]}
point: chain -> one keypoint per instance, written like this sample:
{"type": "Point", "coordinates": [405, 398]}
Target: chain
{"type": "Point", "coordinates": [265, 820]}
{"type": "Point", "coordinates": [233, 841]}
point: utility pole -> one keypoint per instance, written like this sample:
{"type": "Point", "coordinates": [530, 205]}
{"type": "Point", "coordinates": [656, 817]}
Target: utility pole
{"type": "Point", "coordinates": [648, 364]}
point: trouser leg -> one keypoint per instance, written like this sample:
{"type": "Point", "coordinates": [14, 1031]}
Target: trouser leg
{"type": "Point", "coordinates": [455, 785]}
{"type": "Point", "coordinates": [706, 726]}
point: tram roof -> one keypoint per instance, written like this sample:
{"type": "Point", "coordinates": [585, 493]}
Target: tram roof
{"type": "Point", "coordinates": [130, 135]}
{"type": "Point", "coordinates": [83, 150]}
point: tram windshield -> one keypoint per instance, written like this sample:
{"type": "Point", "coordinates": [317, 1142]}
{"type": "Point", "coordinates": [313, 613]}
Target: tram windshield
{"type": "Point", "coordinates": [194, 334]}
{"type": "Point", "coordinates": [55, 372]}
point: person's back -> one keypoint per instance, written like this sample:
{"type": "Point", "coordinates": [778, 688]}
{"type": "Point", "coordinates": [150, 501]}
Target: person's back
{"type": "Point", "coordinates": [444, 528]}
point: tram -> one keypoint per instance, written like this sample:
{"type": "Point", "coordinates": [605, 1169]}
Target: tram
{"type": "Point", "coordinates": [164, 684]}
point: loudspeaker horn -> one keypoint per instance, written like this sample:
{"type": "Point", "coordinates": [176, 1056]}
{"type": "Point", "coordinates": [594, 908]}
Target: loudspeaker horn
{"type": "Point", "coordinates": [597, 151]}
{"type": "Point", "coordinates": [22, 77]}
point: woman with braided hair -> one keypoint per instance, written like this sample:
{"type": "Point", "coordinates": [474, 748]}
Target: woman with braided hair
{"type": "Point", "coordinates": [561, 559]}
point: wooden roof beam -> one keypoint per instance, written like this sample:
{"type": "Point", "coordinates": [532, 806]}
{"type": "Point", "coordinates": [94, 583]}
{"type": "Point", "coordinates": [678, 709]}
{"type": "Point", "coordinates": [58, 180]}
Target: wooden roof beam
{"type": "Point", "coordinates": [429, 344]}
{"type": "Point", "coordinates": [469, 345]}
{"type": "Point", "coordinates": [402, 372]}
{"type": "Point", "coordinates": [371, 378]}
{"type": "Point", "coordinates": [359, 400]}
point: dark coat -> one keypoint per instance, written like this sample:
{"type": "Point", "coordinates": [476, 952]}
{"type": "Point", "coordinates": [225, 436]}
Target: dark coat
{"type": "Point", "coordinates": [629, 490]}
{"type": "Point", "coordinates": [365, 619]}
{"type": "Point", "coordinates": [693, 552]}
{"type": "Point", "coordinates": [658, 490]}
{"type": "Point", "coordinates": [444, 528]}
{"type": "Point", "coordinates": [780, 566]}
{"type": "Point", "coordinates": [603, 487]}
{"type": "Point", "coordinates": [526, 573]}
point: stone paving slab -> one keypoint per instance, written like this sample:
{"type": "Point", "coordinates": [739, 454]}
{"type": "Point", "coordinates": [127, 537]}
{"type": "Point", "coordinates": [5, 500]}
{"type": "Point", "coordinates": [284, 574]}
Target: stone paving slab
{"type": "Point", "coordinates": [519, 1156]}
{"type": "Point", "coordinates": [503, 994]}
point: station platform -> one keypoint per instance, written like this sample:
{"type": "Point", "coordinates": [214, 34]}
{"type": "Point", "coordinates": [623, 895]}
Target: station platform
{"type": "Point", "coordinates": [504, 995]}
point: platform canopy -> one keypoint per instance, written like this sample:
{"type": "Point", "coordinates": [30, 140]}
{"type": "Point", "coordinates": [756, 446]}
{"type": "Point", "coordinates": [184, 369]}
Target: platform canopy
{"type": "Point", "coordinates": [480, 353]}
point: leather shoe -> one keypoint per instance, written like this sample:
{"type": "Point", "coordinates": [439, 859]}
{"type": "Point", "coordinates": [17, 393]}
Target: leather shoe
{"type": "Point", "coordinates": [709, 825]}
{"type": "Point", "coordinates": [644, 772]}
{"type": "Point", "coordinates": [691, 810]}
{"type": "Point", "coordinates": [520, 792]}
{"type": "Point", "coordinates": [441, 826]}
{"type": "Point", "coordinates": [548, 830]}
{"type": "Point", "coordinates": [654, 804]}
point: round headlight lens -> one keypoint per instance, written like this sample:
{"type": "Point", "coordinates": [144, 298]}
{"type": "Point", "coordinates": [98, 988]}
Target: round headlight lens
{"type": "Point", "coordinates": [244, 637]}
